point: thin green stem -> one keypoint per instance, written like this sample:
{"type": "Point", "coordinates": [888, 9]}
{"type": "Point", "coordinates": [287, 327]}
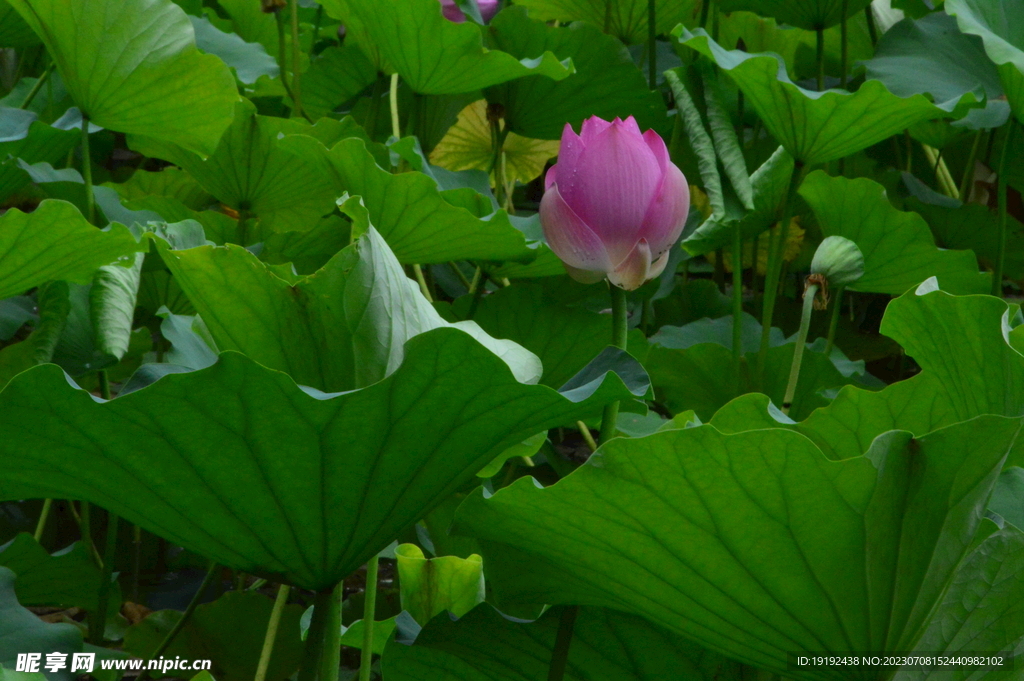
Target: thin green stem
{"type": "Point", "coordinates": [458, 273]}
{"type": "Point", "coordinates": [774, 268]}
{"type": "Point", "coordinates": [314, 648]}
{"type": "Point", "coordinates": [737, 303]}
{"type": "Point", "coordinates": [563, 640]}
{"type": "Point", "coordinates": [587, 437]}
{"type": "Point", "coordinates": [837, 302]}
{"type": "Point", "coordinates": [104, 381]}
{"type": "Point", "coordinates": [422, 282]}
{"type": "Point", "coordinates": [272, 626]}
{"type": "Point", "coordinates": [869, 17]}
{"type": "Point", "coordinates": [98, 619]}
{"type": "Point", "coordinates": [296, 53]}
{"type": "Point", "coordinates": [652, 46]}
{"type": "Point", "coordinates": [801, 343]}
{"type": "Point", "coordinates": [180, 624]}
{"type": "Point", "coordinates": [43, 515]}
{"type": "Point", "coordinates": [620, 328]}
{"type": "Point", "coordinates": [282, 52]}
{"type": "Point", "coordinates": [704, 11]}
{"type": "Point", "coordinates": [997, 277]}
{"type": "Point", "coordinates": [396, 127]}
{"type": "Point", "coordinates": [43, 79]}
{"type": "Point", "coordinates": [369, 613]}
{"type": "Point", "coordinates": [820, 57]}
{"type": "Point", "coordinates": [90, 200]}
{"type": "Point", "coordinates": [844, 55]}
{"type": "Point", "coordinates": [965, 179]}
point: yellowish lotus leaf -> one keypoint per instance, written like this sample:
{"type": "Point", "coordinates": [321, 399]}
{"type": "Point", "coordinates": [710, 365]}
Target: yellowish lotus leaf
{"type": "Point", "coordinates": [794, 242]}
{"type": "Point", "coordinates": [467, 146]}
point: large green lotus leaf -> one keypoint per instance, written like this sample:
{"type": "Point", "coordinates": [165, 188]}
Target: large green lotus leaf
{"type": "Point", "coordinates": [606, 646]}
{"type": "Point", "coordinates": [420, 223]}
{"type": "Point", "coordinates": [22, 631]}
{"type": "Point", "coordinates": [229, 632]}
{"type": "Point", "coordinates": [24, 137]}
{"type": "Point", "coordinates": [967, 369]}
{"type": "Point", "coordinates": [899, 249]}
{"type": "Point", "coordinates": [335, 76]}
{"type": "Point", "coordinates": [908, 63]}
{"type": "Point", "coordinates": [565, 338]}
{"type": "Point", "coordinates": [251, 23]}
{"type": "Point", "coordinates": [68, 578]}
{"type": "Point", "coordinates": [624, 19]}
{"type": "Point", "coordinates": [699, 376]}
{"type": "Point", "coordinates": [807, 14]}
{"type": "Point", "coordinates": [752, 544]}
{"type": "Point", "coordinates": [239, 463]}
{"type": "Point", "coordinates": [983, 611]}
{"type": "Point", "coordinates": [252, 171]}
{"type": "Point", "coordinates": [134, 68]}
{"type": "Point", "coordinates": [340, 328]}
{"type": "Point", "coordinates": [14, 32]}
{"type": "Point", "coordinates": [607, 83]}
{"type": "Point", "coordinates": [433, 55]}
{"type": "Point", "coordinates": [249, 60]}
{"type": "Point", "coordinates": [1000, 25]}
{"type": "Point", "coordinates": [815, 127]}
{"type": "Point", "coordinates": [56, 242]}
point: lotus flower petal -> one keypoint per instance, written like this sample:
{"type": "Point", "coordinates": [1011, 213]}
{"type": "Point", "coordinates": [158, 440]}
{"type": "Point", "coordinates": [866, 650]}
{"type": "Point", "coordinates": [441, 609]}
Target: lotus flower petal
{"type": "Point", "coordinates": [632, 272]}
{"type": "Point", "coordinates": [666, 216]}
{"type": "Point", "coordinates": [570, 237]}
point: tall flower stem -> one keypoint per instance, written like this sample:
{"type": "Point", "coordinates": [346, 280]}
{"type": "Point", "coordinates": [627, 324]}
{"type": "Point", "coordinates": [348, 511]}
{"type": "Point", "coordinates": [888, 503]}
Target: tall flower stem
{"type": "Point", "coordinates": [776, 251]}
{"type": "Point", "coordinates": [296, 52]}
{"type": "Point", "coordinates": [180, 624]}
{"type": "Point", "coordinates": [272, 626]}
{"type": "Point", "coordinates": [997, 277]}
{"type": "Point", "coordinates": [619, 330]}
{"type": "Point", "coordinates": [43, 515]}
{"type": "Point", "coordinates": [837, 301]}
{"type": "Point", "coordinates": [844, 55]}
{"type": "Point", "coordinates": [326, 612]}
{"type": "Point", "coordinates": [90, 200]}
{"type": "Point", "coordinates": [965, 180]}
{"type": "Point", "coordinates": [737, 302]}
{"type": "Point", "coordinates": [98, 619]}
{"type": "Point", "coordinates": [820, 57]}
{"type": "Point", "coordinates": [396, 127]}
{"type": "Point", "coordinates": [43, 78]}
{"type": "Point", "coordinates": [652, 46]}
{"type": "Point", "coordinates": [369, 614]}
{"type": "Point", "coordinates": [330, 662]}
{"type": "Point", "coordinates": [798, 351]}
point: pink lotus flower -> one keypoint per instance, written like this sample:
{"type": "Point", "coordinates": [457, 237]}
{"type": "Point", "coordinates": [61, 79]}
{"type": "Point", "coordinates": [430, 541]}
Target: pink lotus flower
{"type": "Point", "coordinates": [614, 203]}
{"type": "Point", "coordinates": [488, 8]}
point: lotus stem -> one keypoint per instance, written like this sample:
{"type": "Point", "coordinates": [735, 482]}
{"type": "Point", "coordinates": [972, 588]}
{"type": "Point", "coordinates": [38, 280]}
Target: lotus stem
{"type": "Point", "coordinates": [43, 515]}
{"type": "Point", "coordinates": [872, 31]}
{"type": "Point", "coordinates": [422, 282]}
{"type": "Point", "coordinates": [326, 616]}
{"type": "Point", "coordinates": [798, 351]}
{"type": "Point", "coordinates": [180, 624]}
{"type": "Point", "coordinates": [563, 639]}
{"type": "Point", "coordinates": [737, 302]}
{"type": "Point", "coordinates": [652, 46]}
{"type": "Point", "coordinates": [843, 47]}
{"type": "Point", "coordinates": [272, 626]}
{"type": "Point", "coordinates": [369, 615]}
{"type": "Point", "coordinates": [776, 251]}
{"type": "Point", "coordinates": [90, 200]}
{"type": "Point", "coordinates": [619, 330]}
{"type": "Point", "coordinates": [834, 321]}
{"type": "Point", "coordinates": [85, 528]}
{"type": "Point", "coordinates": [587, 437]}
{"type": "Point", "coordinates": [98, 619]}
{"type": "Point", "coordinates": [43, 79]}
{"type": "Point", "coordinates": [282, 52]}
{"type": "Point", "coordinates": [396, 127]}
{"type": "Point", "coordinates": [296, 52]}
{"type": "Point", "coordinates": [997, 277]}
{"type": "Point", "coordinates": [943, 177]}
{"type": "Point", "coordinates": [965, 180]}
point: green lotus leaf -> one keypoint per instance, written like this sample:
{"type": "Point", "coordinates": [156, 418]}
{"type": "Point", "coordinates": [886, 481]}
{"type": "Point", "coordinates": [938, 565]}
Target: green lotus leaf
{"type": "Point", "coordinates": [431, 586]}
{"type": "Point", "coordinates": [752, 544]}
{"type": "Point", "coordinates": [814, 127]}
{"type": "Point", "coordinates": [999, 24]}
{"type": "Point", "coordinates": [967, 369]}
{"type": "Point", "coordinates": [907, 62]}
{"type": "Point", "coordinates": [606, 646]}
{"type": "Point", "coordinates": [420, 223]}
{"type": "Point", "coordinates": [252, 171]}
{"type": "Point", "coordinates": [807, 14]}
{"type": "Point", "coordinates": [24, 137]}
{"type": "Point", "coordinates": [56, 242]}
{"type": "Point", "coordinates": [607, 83]}
{"type": "Point", "coordinates": [14, 32]}
{"type": "Point", "coordinates": [249, 60]}
{"type": "Point", "coordinates": [134, 68]}
{"type": "Point", "coordinates": [899, 249]}
{"type": "Point", "coordinates": [67, 579]}
{"type": "Point", "coordinates": [433, 55]}
{"type": "Point", "coordinates": [21, 630]}
{"type": "Point", "coordinates": [335, 76]}
{"type": "Point", "coordinates": [624, 19]}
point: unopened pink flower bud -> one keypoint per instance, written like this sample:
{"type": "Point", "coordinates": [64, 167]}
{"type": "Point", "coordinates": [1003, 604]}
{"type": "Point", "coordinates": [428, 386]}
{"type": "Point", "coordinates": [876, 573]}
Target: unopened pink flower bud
{"type": "Point", "coordinates": [488, 8]}
{"type": "Point", "coordinates": [614, 204]}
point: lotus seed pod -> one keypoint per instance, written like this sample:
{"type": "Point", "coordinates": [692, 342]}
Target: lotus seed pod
{"type": "Point", "coordinates": [838, 259]}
